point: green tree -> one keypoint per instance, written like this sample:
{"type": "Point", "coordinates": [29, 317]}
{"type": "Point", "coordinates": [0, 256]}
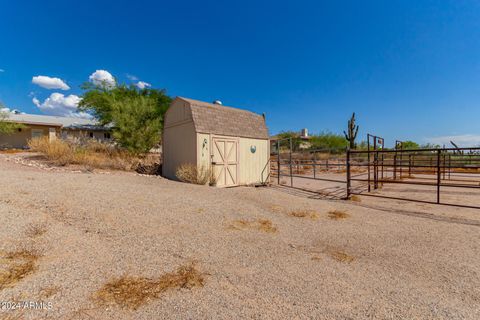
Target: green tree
{"type": "Point", "coordinates": [7, 127]}
{"type": "Point", "coordinates": [136, 115]}
{"type": "Point", "coordinates": [328, 140]}
{"type": "Point", "coordinates": [409, 145]}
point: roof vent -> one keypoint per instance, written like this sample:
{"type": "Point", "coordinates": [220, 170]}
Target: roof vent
{"type": "Point", "coordinates": [217, 102]}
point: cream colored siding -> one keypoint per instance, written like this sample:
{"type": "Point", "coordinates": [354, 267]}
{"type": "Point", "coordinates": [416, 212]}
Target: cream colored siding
{"type": "Point", "coordinates": [203, 150]}
{"type": "Point", "coordinates": [179, 139]}
{"type": "Point", "coordinates": [178, 112]}
{"type": "Point", "coordinates": [19, 138]}
{"type": "Point", "coordinates": [252, 165]}
{"type": "Point", "coordinates": [179, 148]}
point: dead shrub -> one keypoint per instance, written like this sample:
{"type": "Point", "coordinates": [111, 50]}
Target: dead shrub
{"type": "Point", "coordinates": [264, 225]}
{"type": "Point", "coordinates": [16, 266]}
{"type": "Point", "coordinates": [47, 292]}
{"type": "Point", "coordinates": [355, 198]}
{"type": "Point", "coordinates": [337, 215]}
{"type": "Point", "coordinates": [341, 256]}
{"type": "Point", "coordinates": [304, 214]}
{"type": "Point", "coordinates": [11, 151]}
{"type": "Point", "coordinates": [195, 174]}
{"type": "Point", "coordinates": [89, 153]}
{"type": "Point", "coordinates": [36, 230]}
{"type": "Point", "coordinates": [132, 292]}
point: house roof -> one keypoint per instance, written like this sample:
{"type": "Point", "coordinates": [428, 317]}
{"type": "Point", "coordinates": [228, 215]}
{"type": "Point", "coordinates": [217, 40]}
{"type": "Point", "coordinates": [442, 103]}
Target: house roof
{"type": "Point", "coordinates": [67, 122]}
{"type": "Point", "coordinates": [228, 121]}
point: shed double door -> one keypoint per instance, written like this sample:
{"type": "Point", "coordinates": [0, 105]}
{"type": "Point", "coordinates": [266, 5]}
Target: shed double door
{"type": "Point", "coordinates": [225, 161]}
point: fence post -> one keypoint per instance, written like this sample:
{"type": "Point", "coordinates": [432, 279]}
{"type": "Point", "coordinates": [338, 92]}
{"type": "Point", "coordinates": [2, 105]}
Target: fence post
{"type": "Point", "coordinates": [278, 162]}
{"type": "Point", "coordinates": [368, 160]}
{"type": "Point", "coordinates": [291, 173]}
{"type": "Point", "coordinates": [449, 166]}
{"type": "Point", "coordinates": [409, 165]}
{"type": "Point", "coordinates": [439, 175]}
{"type": "Point", "coordinates": [314, 165]}
{"type": "Point", "coordinates": [348, 174]}
{"type": "Point", "coordinates": [395, 166]}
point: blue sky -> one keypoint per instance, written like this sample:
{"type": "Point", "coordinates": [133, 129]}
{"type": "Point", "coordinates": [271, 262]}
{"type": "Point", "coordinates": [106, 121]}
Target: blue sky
{"type": "Point", "coordinates": [409, 69]}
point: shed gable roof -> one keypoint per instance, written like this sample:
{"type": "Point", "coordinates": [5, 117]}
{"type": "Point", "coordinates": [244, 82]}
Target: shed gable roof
{"type": "Point", "coordinates": [228, 121]}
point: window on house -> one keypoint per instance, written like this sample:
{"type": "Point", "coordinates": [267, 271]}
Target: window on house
{"type": "Point", "coordinates": [106, 135]}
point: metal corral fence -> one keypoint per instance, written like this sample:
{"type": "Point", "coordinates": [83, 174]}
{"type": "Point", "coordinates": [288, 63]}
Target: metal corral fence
{"type": "Point", "coordinates": [441, 172]}
{"type": "Point", "coordinates": [448, 176]}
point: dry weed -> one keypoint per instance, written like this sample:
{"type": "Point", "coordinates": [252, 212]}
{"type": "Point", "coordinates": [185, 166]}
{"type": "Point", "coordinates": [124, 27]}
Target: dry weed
{"type": "Point", "coordinates": [36, 230]}
{"type": "Point", "coordinates": [355, 198]}
{"type": "Point", "coordinates": [132, 292]}
{"type": "Point", "coordinates": [341, 256]}
{"type": "Point", "coordinates": [304, 214]}
{"type": "Point", "coordinates": [338, 215]}
{"type": "Point", "coordinates": [11, 151]}
{"type": "Point", "coordinates": [264, 225]}
{"type": "Point", "coordinates": [16, 266]}
{"type": "Point", "coordinates": [193, 174]}
{"type": "Point", "coordinates": [90, 153]}
{"type": "Point", "coordinates": [46, 293]}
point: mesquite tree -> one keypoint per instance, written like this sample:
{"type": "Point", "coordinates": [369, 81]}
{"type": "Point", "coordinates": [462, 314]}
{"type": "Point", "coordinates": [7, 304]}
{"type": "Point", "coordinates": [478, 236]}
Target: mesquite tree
{"type": "Point", "coordinates": [352, 132]}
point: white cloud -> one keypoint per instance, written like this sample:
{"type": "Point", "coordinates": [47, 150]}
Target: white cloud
{"type": "Point", "coordinates": [464, 140]}
{"type": "Point", "coordinates": [60, 105]}
{"type": "Point", "coordinates": [50, 83]}
{"type": "Point", "coordinates": [143, 85]}
{"type": "Point", "coordinates": [102, 78]}
{"type": "Point", "coordinates": [8, 110]}
{"type": "Point", "coordinates": [132, 77]}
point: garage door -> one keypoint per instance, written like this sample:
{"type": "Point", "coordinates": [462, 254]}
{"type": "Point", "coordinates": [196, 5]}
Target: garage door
{"type": "Point", "coordinates": [225, 161]}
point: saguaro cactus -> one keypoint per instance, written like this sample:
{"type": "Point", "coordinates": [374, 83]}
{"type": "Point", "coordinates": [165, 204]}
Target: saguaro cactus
{"type": "Point", "coordinates": [352, 132]}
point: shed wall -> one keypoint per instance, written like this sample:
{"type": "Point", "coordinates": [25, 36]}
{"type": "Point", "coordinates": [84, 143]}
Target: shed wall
{"type": "Point", "coordinates": [203, 150]}
{"type": "Point", "coordinates": [179, 139]}
{"type": "Point", "coordinates": [254, 167]}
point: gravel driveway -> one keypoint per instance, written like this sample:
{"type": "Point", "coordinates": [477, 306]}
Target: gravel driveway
{"type": "Point", "coordinates": [381, 260]}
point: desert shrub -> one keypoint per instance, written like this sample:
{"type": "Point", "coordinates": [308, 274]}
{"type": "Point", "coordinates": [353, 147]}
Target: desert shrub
{"type": "Point", "coordinates": [58, 151]}
{"type": "Point", "coordinates": [89, 153]}
{"type": "Point", "coordinates": [195, 174]}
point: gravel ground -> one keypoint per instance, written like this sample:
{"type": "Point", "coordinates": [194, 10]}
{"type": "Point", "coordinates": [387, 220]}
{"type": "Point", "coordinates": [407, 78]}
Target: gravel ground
{"type": "Point", "coordinates": [386, 260]}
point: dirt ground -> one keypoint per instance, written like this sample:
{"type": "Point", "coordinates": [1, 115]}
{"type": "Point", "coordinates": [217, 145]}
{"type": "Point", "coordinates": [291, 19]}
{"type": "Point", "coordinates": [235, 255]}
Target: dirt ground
{"type": "Point", "coordinates": [262, 253]}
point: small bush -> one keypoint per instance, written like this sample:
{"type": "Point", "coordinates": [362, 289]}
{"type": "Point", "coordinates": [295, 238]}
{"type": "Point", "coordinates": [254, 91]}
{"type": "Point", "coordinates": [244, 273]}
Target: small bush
{"type": "Point", "coordinates": [193, 174]}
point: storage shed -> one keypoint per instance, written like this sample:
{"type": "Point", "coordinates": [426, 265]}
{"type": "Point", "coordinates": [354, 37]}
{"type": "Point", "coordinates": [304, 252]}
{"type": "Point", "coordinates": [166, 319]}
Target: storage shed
{"type": "Point", "coordinates": [233, 143]}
